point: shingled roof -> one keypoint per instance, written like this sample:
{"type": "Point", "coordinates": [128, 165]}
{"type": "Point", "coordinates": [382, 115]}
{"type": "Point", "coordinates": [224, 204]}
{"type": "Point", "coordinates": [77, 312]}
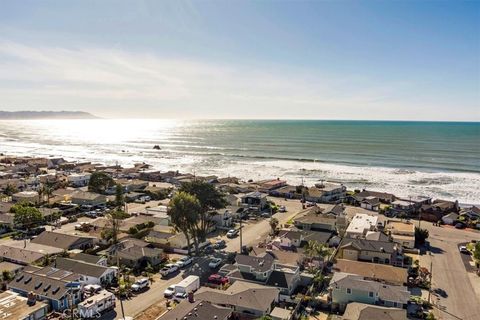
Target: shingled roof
{"type": "Point", "coordinates": [241, 294]}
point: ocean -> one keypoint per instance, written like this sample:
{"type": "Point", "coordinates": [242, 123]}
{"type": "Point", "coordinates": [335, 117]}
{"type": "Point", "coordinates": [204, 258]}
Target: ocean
{"type": "Point", "coordinates": [437, 159]}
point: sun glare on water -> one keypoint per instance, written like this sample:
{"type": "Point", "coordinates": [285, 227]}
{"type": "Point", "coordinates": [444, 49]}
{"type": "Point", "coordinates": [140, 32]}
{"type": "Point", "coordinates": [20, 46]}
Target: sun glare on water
{"type": "Point", "coordinates": [107, 131]}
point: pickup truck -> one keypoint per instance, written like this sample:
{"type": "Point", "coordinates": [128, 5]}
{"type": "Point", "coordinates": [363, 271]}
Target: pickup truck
{"type": "Point", "coordinates": [168, 269]}
{"type": "Point", "coordinates": [183, 262]}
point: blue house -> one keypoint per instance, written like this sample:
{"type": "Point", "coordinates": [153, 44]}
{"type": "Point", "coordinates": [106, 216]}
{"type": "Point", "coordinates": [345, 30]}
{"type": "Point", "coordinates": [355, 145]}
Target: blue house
{"type": "Point", "coordinates": [49, 286]}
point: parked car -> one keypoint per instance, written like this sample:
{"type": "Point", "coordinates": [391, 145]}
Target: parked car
{"type": "Point", "coordinates": [282, 209]}
{"type": "Point", "coordinates": [168, 269]}
{"type": "Point", "coordinates": [183, 262]}
{"type": "Point", "coordinates": [459, 225]}
{"type": "Point", "coordinates": [464, 250]}
{"type": "Point", "coordinates": [168, 293]}
{"type": "Point", "coordinates": [217, 279]}
{"type": "Point", "coordinates": [214, 263]}
{"type": "Point", "coordinates": [232, 233]}
{"type": "Point", "coordinates": [140, 284]}
{"type": "Point", "coordinates": [219, 244]}
{"type": "Point", "coordinates": [208, 249]}
{"type": "Point", "coordinates": [180, 296]}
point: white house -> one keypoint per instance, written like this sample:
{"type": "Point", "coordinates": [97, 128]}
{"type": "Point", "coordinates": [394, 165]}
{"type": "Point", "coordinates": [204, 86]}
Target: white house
{"type": "Point", "coordinates": [79, 179]}
{"type": "Point", "coordinates": [450, 218]}
{"type": "Point", "coordinates": [223, 219]}
{"type": "Point", "coordinates": [91, 273]}
{"type": "Point", "coordinates": [360, 224]}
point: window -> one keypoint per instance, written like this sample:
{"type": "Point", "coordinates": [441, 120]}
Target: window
{"type": "Point", "coordinates": [395, 305]}
{"type": "Point", "coordinates": [370, 294]}
{"type": "Point", "coordinates": [349, 291]}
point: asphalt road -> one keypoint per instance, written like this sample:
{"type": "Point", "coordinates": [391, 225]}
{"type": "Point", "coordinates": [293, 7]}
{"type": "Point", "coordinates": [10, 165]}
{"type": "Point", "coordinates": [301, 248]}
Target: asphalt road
{"type": "Point", "coordinates": [462, 289]}
{"type": "Point", "coordinates": [253, 231]}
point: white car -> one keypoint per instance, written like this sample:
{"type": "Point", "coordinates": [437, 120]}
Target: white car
{"type": "Point", "coordinates": [282, 209]}
{"type": "Point", "coordinates": [214, 263]}
{"type": "Point", "coordinates": [168, 269]}
{"type": "Point", "coordinates": [232, 233]}
{"type": "Point", "coordinates": [180, 296]}
{"type": "Point", "coordinates": [140, 284]}
{"type": "Point", "coordinates": [464, 249]}
{"type": "Point", "coordinates": [183, 262]}
{"type": "Point", "coordinates": [168, 293]}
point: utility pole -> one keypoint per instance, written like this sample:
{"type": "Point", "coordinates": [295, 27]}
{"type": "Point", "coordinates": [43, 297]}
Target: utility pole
{"type": "Point", "coordinates": [119, 275]}
{"type": "Point", "coordinates": [241, 228]}
{"type": "Point", "coordinates": [431, 273]}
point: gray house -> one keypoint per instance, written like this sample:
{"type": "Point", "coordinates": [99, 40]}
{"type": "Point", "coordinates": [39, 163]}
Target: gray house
{"type": "Point", "coordinates": [346, 287]}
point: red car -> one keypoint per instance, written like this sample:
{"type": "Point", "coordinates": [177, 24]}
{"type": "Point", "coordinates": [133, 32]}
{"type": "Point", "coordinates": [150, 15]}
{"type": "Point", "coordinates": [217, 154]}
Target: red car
{"type": "Point", "coordinates": [217, 279]}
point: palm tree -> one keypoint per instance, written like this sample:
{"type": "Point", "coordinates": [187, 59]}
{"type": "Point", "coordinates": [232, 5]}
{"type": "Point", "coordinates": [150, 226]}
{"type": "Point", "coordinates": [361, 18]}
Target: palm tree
{"type": "Point", "coordinates": [314, 249]}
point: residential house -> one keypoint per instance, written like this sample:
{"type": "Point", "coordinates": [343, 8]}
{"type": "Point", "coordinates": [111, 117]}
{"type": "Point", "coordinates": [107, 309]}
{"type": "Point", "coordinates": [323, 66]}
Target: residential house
{"type": "Point", "coordinates": [16, 307]}
{"type": "Point", "coordinates": [132, 185]}
{"type": "Point", "coordinates": [63, 241]}
{"type": "Point", "coordinates": [224, 218]}
{"type": "Point", "coordinates": [287, 192]}
{"type": "Point", "coordinates": [26, 196]}
{"type": "Point", "coordinates": [48, 285]}
{"type": "Point", "coordinates": [85, 198]}
{"type": "Point", "coordinates": [315, 218]}
{"type": "Point", "coordinates": [450, 218]}
{"type": "Point", "coordinates": [279, 313]}
{"type": "Point", "coordinates": [345, 288]}
{"type": "Point", "coordinates": [254, 201]}
{"type": "Point", "coordinates": [403, 207]}
{"type": "Point", "coordinates": [362, 311]}
{"type": "Point", "coordinates": [245, 298]}
{"type": "Point", "coordinates": [358, 196]}
{"type": "Point", "coordinates": [26, 253]}
{"type": "Point", "coordinates": [264, 270]}
{"type": "Point", "coordinates": [79, 179]}
{"type": "Point", "coordinates": [472, 212]}
{"type": "Point", "coordinates": [161, 213]}
{"type": "Point", "coordinates": [269, 185]}
{"type": "Point", "coordinates": [402, 232]}
{"type": "Point", "coordinates": [197, 310]}
{"type": "Point", "coordinates": [326, 193]}
{"type": "Point", "coordinates": [385, 252]}
{"type": "Point", "coordinates": [373, 271]}
{"type": "Point", "coordinates": [92, 273]}
{"type": "Point", "coordinates": [166, 238]}
{"type": "Point", "coordinates": [135, 254]}
{"type": "Point", "coordinates": [298, 238]}
{"type": "Point", "coordinates": [437, 209]}
{"type": "Point", "coordinates": [11, 267]}
{"type": "Point", "coordinates": [90, 258]}
{"type": "Point", "coordinates": [360, 225]}
{"type": "Point", "coordinates": [370, 203]}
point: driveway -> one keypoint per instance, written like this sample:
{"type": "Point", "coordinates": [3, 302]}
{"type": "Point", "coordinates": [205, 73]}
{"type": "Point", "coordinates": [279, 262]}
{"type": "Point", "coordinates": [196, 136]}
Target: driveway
{"type": "Point", "coordinates": [461, 290]}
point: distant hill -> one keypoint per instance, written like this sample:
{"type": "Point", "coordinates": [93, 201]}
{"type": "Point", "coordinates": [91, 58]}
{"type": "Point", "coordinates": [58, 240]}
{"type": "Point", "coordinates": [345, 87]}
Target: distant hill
{"type": "Point", "coordinates": [30, 115]}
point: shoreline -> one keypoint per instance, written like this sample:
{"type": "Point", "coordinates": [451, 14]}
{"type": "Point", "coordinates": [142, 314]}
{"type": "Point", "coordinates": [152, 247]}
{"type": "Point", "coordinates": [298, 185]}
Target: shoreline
{"type": "Point", "coordinates": [196, 171]}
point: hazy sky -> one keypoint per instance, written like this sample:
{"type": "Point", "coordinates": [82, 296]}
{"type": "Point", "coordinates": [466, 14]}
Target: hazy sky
{"type": "Point", "coordinates": [243, 59]}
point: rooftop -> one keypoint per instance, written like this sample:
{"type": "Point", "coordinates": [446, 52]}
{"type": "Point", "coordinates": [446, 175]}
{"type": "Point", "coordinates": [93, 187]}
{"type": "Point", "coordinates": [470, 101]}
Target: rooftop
{"type": "Point", "coordinates": [198, 310]}
{"type": "Point", "coordinates": [361, 311]}
{"type": "Point", "coordinates": [13, 306]}
{"type": "Point", "coordinates": [382, 272]}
